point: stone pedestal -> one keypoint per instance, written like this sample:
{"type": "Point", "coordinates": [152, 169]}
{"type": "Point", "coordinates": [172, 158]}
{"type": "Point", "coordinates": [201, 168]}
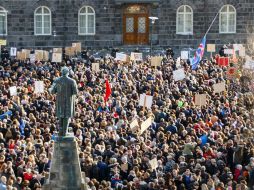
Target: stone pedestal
{"type": "Point", "coordinates": [65, 172]}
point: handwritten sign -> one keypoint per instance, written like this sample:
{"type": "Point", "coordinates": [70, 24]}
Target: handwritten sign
{"type": "Point", "coordinates": [200, 99]}
{"type": "Point", "coordinates": [96, 67]}
{"type": "Point", "coordinates": [57, 57]}
{"type": "Point", "coordinates": [184, 55]}
{"type": "Point", "coordinates": [156, 61]}
{"type": "Point", "coordinates": [145, 101]}
{"type": "Point", "coordinates": [70, 51]}
{"type": "Point", "coordinates": [13, 51]}
{"type": "Point", "coordinates": [121, 57]}
{"type": "Point", "coordinates": [13, 90]}
{"type": "Point", "coordinates": [136, 56]}
{"type": "Point", "coordinates": [229, 51]}
{"type": "Point", "coordinates": [145, 125]}
{"type": "Point", "coordinates": [77, 47]}
{"type": "Point", "coordinates": [179, 74]}
{"type": "Point", "coordinates": [57, 50]}
{"type": "Point", "coordinates": [242, 52]}
{"type": "Point", "coordinates": [219, 87]}
{"type": "Point", "coordinates": [38, 87]}
{"type": "Point", "coordinates": [154, 163]}
{"type": "Point", "coordinates": [38, 55]}
{"type": "Point", "coordinates": [211, 48]}
{"type": "Point", "coordinates": [134, 125]}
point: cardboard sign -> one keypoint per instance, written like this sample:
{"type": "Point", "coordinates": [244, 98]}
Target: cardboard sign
{"type": "Point", "coordinates": [121, 57]}
{"type": "Point", "coordinates": [145, 101]}
{"type": "Point", "coordinates": [96, 67]}
{"type": "Point", "coordinates": [156, 61]}
{"type": "Point", "coordinates": [134, 125]}
{"type": "Point", "coordinates": [242, 52]}
{"type": "Point", "coordinates": [154, 163]}
{"type": "Point", "coordinates": [38, 87]}
{"type": "Point", "coordinates": [57, 50]}
{"type": "Point", "coordinates": [57, 57]}
{"type": "Point", "coordinates": [211, 48]}
{"type": "Point", "coordinates": [223, 61]}
{"type": "Point", "coordinates": [27, 52]}
{"type": "Point", "coordinates": [219, 87]}
{"type": "Point", "coordinates": [179, 74]}
{"type": "Point", "coordinates": [145, 125]}
{"type": "Point", "coordinates": [13, 51]}
{"type": "Point", "coordinates": [184, 55]}
{"type": "Point", "coordinates": [45, 55]}
{"type": "Point", "coordinates": [38, 55]}
{"type": "Point", "coordinates": [2, 42]}
{"type": "Point", "coordinates": [21, 56]}
{"type": "Point", "coordinates": [13, 91]}
{"type": "Point", "coordinates": [77, 47]}
{"type": "Point", "coordinates": [200, 99]}
{"type": "Point", "coordinates": [70, 51]}
{"type": "Point", "coordinates": [229, 51]}
{"type": "Point", "coordinates": [136, 56]}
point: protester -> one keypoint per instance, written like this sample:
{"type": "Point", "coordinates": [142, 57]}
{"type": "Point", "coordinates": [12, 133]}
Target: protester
{"type": "Point", "coordinates": [197, 147]}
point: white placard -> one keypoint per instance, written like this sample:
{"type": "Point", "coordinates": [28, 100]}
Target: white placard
{"type": "Point", "coordinates": [13, 51]}
{"type": "Point", "coordinates": [145, 125]}
{"type": "Point", "coordinates": [242, 52]}
{"type": "Point", "coordinates": [249, 64]}
{"type": "Point", "coordinates": [229, 51]}
{"type": "Point", "coordinates": [219, 87]}
{"type": "Point", "coordinates": [146, 100]}
{"type": "Point", "coordinates": [57, 57]}
{"type": "Point", "coordinates": [121, 57]}
{"type": "Point", "coordinates": [38, 87]}
{"type": "Point", "coordinates": [13, 90]}
{"type": "Point", "coordinates": [178, 62]}
{"type": "Point", "coordinates": [96, 67]}
{"type": "Point", "coordinates": [134, 125]}
{"type": "Point", "coordinates": [237, 47]}
{"type": "Point", "coordinates": [156, 61]}
{"type": "Point", "coordinates": [136, 56]}
{"type": "Point", "coordinates": [179, 74]}
{"type": "Point", "coordinates": [32, 58]}
{"type": "Point", "coordinates": [211, 48]}
{"type": "Point", "coordinates": [184, 55]}
{"type": "Point", "coordinates": [154, 163]}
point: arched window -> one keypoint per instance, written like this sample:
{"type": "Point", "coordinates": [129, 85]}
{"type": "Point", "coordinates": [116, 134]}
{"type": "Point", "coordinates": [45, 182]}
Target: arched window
{"type": "Point", "coordinates": [184, 20]}
{"type": "Point", "coordinates": [3, 21]}
{"type": "Point", "coordinates": [42, 21]}
{"type": "Point", "coordinates": [86, 21]}
{"type": "Point", "coordinates": [228, 19]}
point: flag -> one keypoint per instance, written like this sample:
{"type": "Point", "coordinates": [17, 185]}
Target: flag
{"type": "Point", "coordinates": [108, 91]}
{"type": "Point", "coordinates": [199, 54]}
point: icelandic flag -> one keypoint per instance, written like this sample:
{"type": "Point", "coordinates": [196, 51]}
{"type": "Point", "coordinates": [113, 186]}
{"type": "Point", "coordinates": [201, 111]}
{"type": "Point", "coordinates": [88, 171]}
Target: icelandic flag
{"type": "Point", "coordinates": [199, 54]}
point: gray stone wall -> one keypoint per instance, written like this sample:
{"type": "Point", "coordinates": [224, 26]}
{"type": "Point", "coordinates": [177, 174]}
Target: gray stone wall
{"type": "Point", "coordinates": [109, 23]}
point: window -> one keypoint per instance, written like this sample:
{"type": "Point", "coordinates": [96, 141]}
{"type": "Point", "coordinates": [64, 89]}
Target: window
{"type": "Point", "coordinates": [184, 20]}
{"type": "Point", "coordinates": [42, 21]}
{"type": "Point", "coordinates": [228, 19]}
{"type": "Point", "coordinates": [86, 21]}
{"type": "Point", "coordinates": [3, 21]}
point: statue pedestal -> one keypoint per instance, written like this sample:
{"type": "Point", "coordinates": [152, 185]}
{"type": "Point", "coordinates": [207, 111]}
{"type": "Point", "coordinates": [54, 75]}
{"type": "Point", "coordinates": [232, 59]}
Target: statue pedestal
{"type": "Point", "coordinates": [65, 172]}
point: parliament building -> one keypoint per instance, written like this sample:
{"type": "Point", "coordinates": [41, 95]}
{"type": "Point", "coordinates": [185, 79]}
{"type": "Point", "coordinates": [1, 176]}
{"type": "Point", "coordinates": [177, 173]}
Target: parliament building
{"type": "Point", "coordinates": [125, 23]}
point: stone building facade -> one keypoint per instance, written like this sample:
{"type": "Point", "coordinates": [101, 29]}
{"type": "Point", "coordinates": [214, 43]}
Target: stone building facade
{"type": "Point", "coordinates": [113, 17]}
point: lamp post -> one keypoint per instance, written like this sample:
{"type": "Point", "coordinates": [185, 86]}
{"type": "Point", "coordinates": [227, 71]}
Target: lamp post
{"type": "Point", "coordinates": [153, 19]}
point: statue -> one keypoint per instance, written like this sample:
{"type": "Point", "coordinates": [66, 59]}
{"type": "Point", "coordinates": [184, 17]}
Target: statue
{"type": "Point", "coordinates": [66, 90]}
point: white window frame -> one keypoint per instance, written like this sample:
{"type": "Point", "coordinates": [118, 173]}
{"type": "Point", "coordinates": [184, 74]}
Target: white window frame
{"type": "Point", "coordinates": [4, 12]}
{"type": "Point", "coordinates": [227, 15]}
{"type": "Point", "coordinates": [185, 14]}
{"type": "Point", "coordinates": [42, 16]}
{"type": "Point", "coordinates": [86, 13]}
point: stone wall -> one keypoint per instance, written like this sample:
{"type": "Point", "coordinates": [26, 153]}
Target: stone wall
{"type": "Point", "coordinates": [109, 23]}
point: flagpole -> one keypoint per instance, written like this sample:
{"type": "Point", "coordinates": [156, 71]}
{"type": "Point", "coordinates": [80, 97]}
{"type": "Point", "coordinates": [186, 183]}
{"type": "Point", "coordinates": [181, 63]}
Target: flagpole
{"type": "Point", "coordinates": [212, 22]}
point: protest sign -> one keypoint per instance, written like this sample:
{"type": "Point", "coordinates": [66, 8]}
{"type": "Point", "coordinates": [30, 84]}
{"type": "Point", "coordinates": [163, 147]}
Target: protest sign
{"type": "Point", "coordinates": [57, 50]}
{"type": "Point", "coordinates": [231, 72]}
{"type": "Point", "coordinates": [2, 42]}
{"type": "Point", "coordinates": [57, 57]}
{"type": "Point", "coordinates": [38, 55]}
{"type": "Point", "coordinates": [145, 101]}
{"type": "Point", "coordinates": [21, 56]}
{"type": "Point", "coordinates": [32, 58]}
{"type": "Point", "coordinates": [178, 62]}
{"type": "Point", "coordinates": [211, 48]}
{"type": "Point", "coordinates": [38, 87]}
{"type": "Point", "coordinates": [184, 55]}
{"type": "Point", "coordinates": [178, 74]}
{"type": "Point", "coordinates": [219, 87]}
{"type": "Point", "coordinates": [134, 125]}
{"type": "Point", "coordinates": [249, 64]}
{"type": "Point", "coordinates": [121, 57]}
{"type": "Point", "coordinates": [45, 55]}
{"type": "Point", "coordinates": [229, 51]}
{"type": "Point", "coordinates": [96, 67]}
{"type": "Point", "coordinates": [242, 52]}
{"type": "Point", "coordinates": [200, 99]}
{"type": "Point", "coordinates": [136, 56]}
{"type": "Point", "coordinates": [13, 91]}
{"type": "Point", "coordinates": [154, 163]}
{"type": "Point", "coordinates": [156, 61]}
{"type": "Point", "coordinates": [237, 47]}
{"type": "Point", "coordinates": [70, 51]}
{"type": "Point", "coordinates": [27, 52]}
{"type": "Point", "coordinates": [144, 126]}
{"type": "Point", "coordinates": [13, 51]}
{"type": "Point", "coordinates": [223, 61]}
{"type": "Point", "coordinates": [77, 47]}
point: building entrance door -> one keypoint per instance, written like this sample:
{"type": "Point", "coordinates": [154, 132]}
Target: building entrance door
{"type": "Point", "coordinates": [136, 25]}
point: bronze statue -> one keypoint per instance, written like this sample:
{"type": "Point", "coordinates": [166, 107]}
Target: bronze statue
{"type": "Point", "coordinates": [66, 90]}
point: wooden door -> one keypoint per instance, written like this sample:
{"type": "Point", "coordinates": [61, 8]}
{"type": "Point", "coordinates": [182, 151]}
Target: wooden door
{"type": "Point", "coordinates": [136, 28]}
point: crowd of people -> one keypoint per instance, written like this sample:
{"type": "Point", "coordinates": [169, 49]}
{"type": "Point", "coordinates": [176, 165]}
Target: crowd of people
{"type": "Point", "coordinates": [206, 147]}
